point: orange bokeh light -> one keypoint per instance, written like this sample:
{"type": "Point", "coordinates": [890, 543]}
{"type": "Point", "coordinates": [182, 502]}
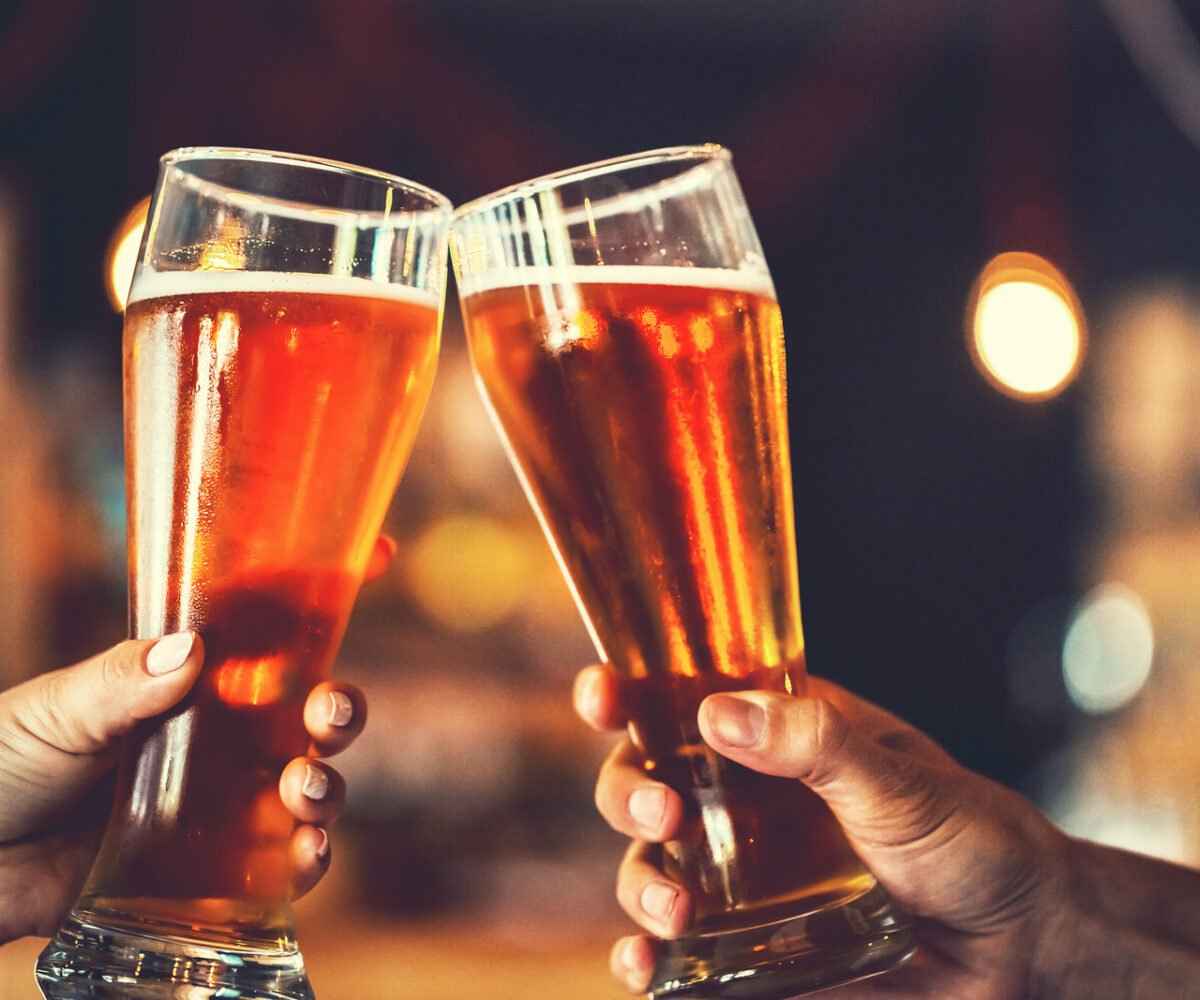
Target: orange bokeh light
{"type": "Point", "coordinates": [121, 257]}
{"type": "Point", "coordinates": [1025, 327]}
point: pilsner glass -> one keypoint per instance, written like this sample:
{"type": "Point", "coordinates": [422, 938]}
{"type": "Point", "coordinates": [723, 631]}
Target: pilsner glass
{"type": "Point", "coordinates": [625, 333]}
{"type": "Point", "coordinates": [280, 340]}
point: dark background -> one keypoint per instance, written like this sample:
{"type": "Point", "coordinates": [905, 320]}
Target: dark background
{"type": "Point", "coordinates": [948, 533]}
{"type": "Point", "coordinates": [887, 152]}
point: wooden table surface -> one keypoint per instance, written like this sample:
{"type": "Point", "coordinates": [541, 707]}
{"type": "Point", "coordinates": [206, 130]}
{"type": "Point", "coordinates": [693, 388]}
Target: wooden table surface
{"type": "Point", "coordinates": [374, 961]}
{"type": "Point", "coordinates": [354, 955]}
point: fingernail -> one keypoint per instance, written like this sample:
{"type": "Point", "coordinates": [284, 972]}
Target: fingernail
{"type": "Point", "coordinates": [316, 783]}
{"type": "Point", "coordinates": [735, 721]}
{"type": "Point", "coordinates": [647, 806]}
{"type": "Point", "coordinates": [169, 653]}
{"type": "Point", "coordinates": [322, 844]}
{"type": "Point", "coordinates": [341, 709]}
{"type": "Point", "coordinates": [658, 900]}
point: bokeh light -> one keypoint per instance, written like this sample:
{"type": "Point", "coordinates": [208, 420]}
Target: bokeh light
{"type": "Point", "coordinates": [121, 257]}
{"type": "Point", "coordinates": [1025, 327]}
{"type": "Point", "coordinates": [1108, 650]}
{"type": "Point", "coordinates": [471, 571]}
{"type": "Point", "coordinates": [1096, 794]}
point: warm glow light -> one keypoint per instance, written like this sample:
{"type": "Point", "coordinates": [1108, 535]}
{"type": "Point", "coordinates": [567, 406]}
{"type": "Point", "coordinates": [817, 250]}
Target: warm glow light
{"type": "Point", "coordinates": [250, 682]}
{"type": "Point", "coordinates": [1026, 327]}
{"type": "Point", "coordinates": [470, 571]}
{"type": "Point", "coordinates": [668, 343]}
{"type": "Point", "coordinates": [121, 257]}
{"type": "Point", "coordinates": [1146, 824]}
{"type": "Point", "coordinates": [1027, 336]}
{"type": "Point", "coordinates": [1108, 650]}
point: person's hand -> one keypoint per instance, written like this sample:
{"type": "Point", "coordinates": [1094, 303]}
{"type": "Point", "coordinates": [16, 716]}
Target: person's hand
{"type": "Point", "coordinates": [59, 734]}
{"type": "Point", "coordinates": [977, 866]}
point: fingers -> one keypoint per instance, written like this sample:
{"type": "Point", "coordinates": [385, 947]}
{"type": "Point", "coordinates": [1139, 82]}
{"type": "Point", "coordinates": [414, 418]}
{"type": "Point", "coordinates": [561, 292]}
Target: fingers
{"type": "Point", "coordinates": [632, 962]}
{"type": "Point", "coordinates": [380, 559]}
{"type": "Point", "coordinates": [652, 900]}
{"type": "Point", "coordinates": [604, 702]}
{"type": "Point", "coordinates": [632, 803]}
{"type": "Point", "coordinates": [315, 793]}
{"type": "Point", "coordinates": [597, 697]}
{"type": "Point", "coordinates": [84, 709]}
{"type": "Point", "coordinates": [310, 856]}
{"type": "Point", "coordinates": [882, 797]}
{"type": "Point", "coordinates": [334, 715]}
{"type": "Point", "coordinates": [312, 792]}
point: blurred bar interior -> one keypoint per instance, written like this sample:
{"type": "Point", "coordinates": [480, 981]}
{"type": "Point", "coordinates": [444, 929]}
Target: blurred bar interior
{"type": "Point", "coordinates": [981, 221]}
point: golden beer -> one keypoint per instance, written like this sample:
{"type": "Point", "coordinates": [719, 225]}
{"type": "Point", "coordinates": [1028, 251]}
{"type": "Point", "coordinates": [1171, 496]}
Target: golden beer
{"type": "Point", "coordinates": [626, 334]}
{"type": "Point", "coordinates": [649, 423]}
{"type": "Point", "coordinates": [282, 408]}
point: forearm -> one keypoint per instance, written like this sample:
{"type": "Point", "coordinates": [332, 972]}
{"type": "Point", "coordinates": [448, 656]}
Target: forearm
{"type": "Point", "coordinates": [1124, 927]}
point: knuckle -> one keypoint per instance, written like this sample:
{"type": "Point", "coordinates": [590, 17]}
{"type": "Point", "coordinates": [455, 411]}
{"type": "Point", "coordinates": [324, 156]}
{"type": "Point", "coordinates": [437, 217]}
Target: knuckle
{"type": "Point", "coordinates": [606, 797]}
{"type": "Point", "coordinates": [904, 741]}
{"type": "Point", "coordinates": [614, 958]}
{"type": "Point", "coordinates": [922, 806]}
{"type": "Point", "coordinates": [904, 779]}
{"type": "Point", "coordinates": [53, 720]}
{"type": "Point", "coordinates": [632, 874]}
{"type": "Point", "coordinates": [829, 730]}
{"type": "Point", "coordinates": [48, 698]}
{"type": "Point", "coordinates": [600, 796]}
{"type": "Point", "coordinates": [820, 743]}
{"type": "Point", "coordinates": [118, 664]}
{"type": "Point", "coordinates": [626, 891]}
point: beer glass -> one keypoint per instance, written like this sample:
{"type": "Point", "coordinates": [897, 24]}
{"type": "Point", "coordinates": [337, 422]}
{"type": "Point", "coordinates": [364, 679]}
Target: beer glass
{"type": "Point", "coordinates": [628, 342]}
{"type": "Point", "coordinates": [280, 343]}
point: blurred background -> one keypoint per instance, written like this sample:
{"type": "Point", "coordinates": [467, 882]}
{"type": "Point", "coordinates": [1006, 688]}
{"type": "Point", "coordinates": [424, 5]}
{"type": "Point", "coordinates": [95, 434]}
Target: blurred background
{"type": "Point", "coordinates": [981, 219]}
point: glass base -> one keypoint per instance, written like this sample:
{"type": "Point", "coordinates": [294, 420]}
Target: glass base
{"type": "Point", "coordinates": [838, 944]}
{"type": "Point", "coordinates": [88, 961]}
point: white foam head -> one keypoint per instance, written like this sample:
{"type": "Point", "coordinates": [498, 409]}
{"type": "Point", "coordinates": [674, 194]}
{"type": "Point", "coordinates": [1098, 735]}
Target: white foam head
{"type": "Point", "coordinates": [750, 282]}
{"type": "Point", "coordinates": [149, 284]}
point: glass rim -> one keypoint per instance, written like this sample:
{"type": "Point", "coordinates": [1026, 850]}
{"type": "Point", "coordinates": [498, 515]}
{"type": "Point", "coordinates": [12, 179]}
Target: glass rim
{"type": "Point", "coordinates": [700, 153]}
{"type": "Point", "coordinates": [435, 201]}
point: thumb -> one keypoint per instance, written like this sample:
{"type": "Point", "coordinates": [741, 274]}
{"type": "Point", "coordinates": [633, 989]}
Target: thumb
{"type": "Point", "coordinates": [883, 798]}
{"type": "Point", "coordinates": [84, 709]}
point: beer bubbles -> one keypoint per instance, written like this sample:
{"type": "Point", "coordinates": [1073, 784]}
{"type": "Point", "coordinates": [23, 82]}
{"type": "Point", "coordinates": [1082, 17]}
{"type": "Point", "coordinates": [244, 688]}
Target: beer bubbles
{"type": "Point", "coordinates": [1025, 327]}
{"type": "Point", "coordinates": [1108, 650]}
{"type": "Point", "coordinates": [121, 257]}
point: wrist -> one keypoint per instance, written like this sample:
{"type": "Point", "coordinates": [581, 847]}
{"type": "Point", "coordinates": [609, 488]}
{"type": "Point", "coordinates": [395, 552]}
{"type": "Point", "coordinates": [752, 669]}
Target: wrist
{"type": "Point", "coordinates": [1117, 925]}
{"type": "Point", "coordinates": [1054, 924]}
{"type": "Point", "coordinates": [1065, 928]}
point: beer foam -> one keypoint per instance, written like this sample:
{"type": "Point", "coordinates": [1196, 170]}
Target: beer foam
{"type": "Point", "coordinates": [722, 278]}
{"type": "Point", "coordinates": [172, 284]}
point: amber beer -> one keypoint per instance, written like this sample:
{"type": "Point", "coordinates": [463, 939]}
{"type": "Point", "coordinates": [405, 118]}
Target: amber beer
{"type": "Point", "coordinates": [645, 408]}
{"type": "Point", "coordinates": [282, 407]}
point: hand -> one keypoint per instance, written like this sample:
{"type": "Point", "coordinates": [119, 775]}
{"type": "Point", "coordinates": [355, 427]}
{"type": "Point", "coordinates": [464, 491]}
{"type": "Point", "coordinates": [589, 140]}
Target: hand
{"type": "Point", "coordinates": [59, 734]}
{"type": "Point", "coordinates": [979, 868]}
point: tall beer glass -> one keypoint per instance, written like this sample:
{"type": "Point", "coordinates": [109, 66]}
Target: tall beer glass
{"type": "Point", "coordinates": [628, 342]}
{"type": "Point", "coordinates": [280, 343]}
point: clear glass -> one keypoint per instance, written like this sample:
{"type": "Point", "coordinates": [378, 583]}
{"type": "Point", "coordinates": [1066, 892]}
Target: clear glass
{"type": "Point", "coordinates": [280, 344]}
{"type": "Point", "coordinates": [628, 342]}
